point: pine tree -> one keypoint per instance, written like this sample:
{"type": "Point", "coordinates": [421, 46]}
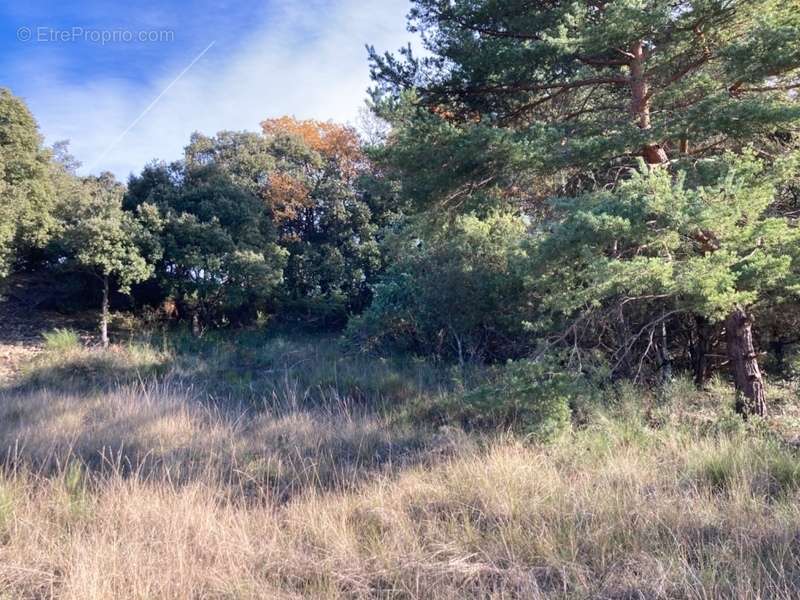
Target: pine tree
{"type": "Point", "coordinates": [568, 96]}
{"type": "Point", "coordinates": [604, 81]}
{"type": "Point", "coordinates": [656, 246]}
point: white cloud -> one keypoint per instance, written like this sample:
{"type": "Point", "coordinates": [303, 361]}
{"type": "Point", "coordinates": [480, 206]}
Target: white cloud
{"type": "Point", "coordinates": [308, 61]}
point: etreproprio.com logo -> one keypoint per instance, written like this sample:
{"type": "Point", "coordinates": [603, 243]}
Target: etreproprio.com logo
{"type": "Point", "coordinates": [92, 36]}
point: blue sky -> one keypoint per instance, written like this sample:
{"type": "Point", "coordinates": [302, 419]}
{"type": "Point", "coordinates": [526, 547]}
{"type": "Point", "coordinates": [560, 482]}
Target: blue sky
{"type": "Point", "coordinates": [268, 58]}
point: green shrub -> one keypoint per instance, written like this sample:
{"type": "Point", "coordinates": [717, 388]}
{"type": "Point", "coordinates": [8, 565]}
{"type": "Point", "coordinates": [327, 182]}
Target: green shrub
{"type": "Point", "coordinates": [457, 292]}
{"type": "Point", "coordinates": [794, 367]}
{"type": "Point", "coordinates": [61, 340]}
{"type": "Point", "coordinates": [532, 398]}
{"type": "Point", "coordinates": [725, 423]}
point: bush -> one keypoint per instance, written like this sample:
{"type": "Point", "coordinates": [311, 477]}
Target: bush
{"type": "Point", "coordinates": [61, 340]}
{"type": "Point", "coordinates": [458, 293]}
{"type": "Point", "coordinates": [532, 398]}
{"type": "Point", "coordinates": [794, 366]}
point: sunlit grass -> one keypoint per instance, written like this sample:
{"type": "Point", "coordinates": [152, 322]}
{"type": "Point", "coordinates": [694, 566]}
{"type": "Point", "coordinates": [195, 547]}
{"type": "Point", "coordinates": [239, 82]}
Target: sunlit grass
{"type": "Point", "coordinates": [61, 340]}
{"type": "Point", "coordinates": [127, 475]}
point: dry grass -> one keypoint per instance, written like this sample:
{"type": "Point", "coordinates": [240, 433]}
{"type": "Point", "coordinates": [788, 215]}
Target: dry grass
{"type": "Point", "coordinates": [149, 488]}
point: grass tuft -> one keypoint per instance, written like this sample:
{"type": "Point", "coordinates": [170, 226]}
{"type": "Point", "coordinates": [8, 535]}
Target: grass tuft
{"type": "Point", "coordinates": [61, 340]}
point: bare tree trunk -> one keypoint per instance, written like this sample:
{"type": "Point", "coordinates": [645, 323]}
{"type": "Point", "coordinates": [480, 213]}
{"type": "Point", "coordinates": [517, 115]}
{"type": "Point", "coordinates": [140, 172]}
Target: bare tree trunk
{"type": "Point", "coordinates": [665, 368]}
{"type": "Point", "coordinates": [750, 395]}
{"type": "Point", "coordinates": [624, 332]}
{"type": "Point", "coordinates": [652, 152]}
{"type": "Point", "coordinates": [104, 315]}
{"type": "Point", "coordinates": [700, 351]}
{"type": "Point", "coordinates": [196, 329]}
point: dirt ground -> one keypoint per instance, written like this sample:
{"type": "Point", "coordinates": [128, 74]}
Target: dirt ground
{"type": "Point", "coordinates": [20, 337]}
{"type": "Point", "coordinates": [22, 324]}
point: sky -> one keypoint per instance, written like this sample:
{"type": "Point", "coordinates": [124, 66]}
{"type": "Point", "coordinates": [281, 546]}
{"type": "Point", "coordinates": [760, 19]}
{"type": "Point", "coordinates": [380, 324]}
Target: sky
{"type": "Point", "coordinates": [127, 82]}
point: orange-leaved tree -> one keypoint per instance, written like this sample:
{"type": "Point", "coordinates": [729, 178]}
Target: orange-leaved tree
{"type": "Point", "coordinates": [317, 197]}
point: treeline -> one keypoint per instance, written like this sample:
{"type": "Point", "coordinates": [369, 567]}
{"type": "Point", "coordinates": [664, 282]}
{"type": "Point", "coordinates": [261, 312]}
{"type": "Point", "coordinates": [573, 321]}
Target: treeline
{"type": "Point", "coordinates": [245, 227]}
{"type": "Point", "coordinates": [606, 188]}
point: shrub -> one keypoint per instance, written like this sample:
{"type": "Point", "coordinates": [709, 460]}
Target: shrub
{"type": "Point", "coordinates": [532, 398]}
{"type": "Point", "coordinates": [794, 366]}
{"type": "Point", "coordinates": [458, 293]}
{"type": "Point", "coordinates": [61, 340]}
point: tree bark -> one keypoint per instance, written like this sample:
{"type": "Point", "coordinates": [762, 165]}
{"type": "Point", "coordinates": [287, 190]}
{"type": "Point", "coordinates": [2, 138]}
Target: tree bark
{"type": "Point", "coordinates": [665, 369]}
{"type": "Point", "coordinates": [196, 329]}
{"type": "Point", "coordinates": [624, 332]}
{"type": "Point", "coordinates": [750, 394]}
{"type": "Point", "coordinates": [700, 352]}
{"type": "Point", "coordinates": [104, 315]}
{"type": "Point", "coordinates": [652, 152]}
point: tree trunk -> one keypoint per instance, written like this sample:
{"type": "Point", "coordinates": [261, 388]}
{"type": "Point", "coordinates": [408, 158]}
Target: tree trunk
{"type": "Point", "coordinates": [625, 368]}
{"type": "Point", "coordinates": [750, 395]}
{"type": "Point", "coordinates": [652, 152]}
{"type": "Point", "coordinates": [196, 329]}
{"type": "Point", "coordinates": [104, 315]}
{"type": "Point", "coordinates": [665, 368]}
{"type": "Point", "coordinates": [778, 349]}
{"type": "Point", "coordinates": [700, 351]}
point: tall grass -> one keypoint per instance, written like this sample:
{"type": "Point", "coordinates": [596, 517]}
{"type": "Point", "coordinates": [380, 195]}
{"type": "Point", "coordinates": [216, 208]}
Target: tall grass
{"type": "Point", "coordinates": [145, 483]}
{"type": "Point", "coordinates": [61, 340]}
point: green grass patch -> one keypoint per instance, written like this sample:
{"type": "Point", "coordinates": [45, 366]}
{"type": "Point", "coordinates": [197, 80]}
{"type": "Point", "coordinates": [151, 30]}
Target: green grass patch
{"type": "Point", "coordinates": [61, 340]}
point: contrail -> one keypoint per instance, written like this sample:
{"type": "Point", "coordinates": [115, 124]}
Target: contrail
{"type": "Point", "coordinates": [122, 135]}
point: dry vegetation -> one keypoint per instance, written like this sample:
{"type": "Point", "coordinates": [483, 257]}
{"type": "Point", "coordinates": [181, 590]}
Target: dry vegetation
{"type": "Point", "coordinates": [143, 473]}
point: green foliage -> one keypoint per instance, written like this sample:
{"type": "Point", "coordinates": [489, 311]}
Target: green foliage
{"type": "Point", "coordinates": [550, 105]}
{"type": "Point", "coordinates": [26, 193]}
{"type": "Point", "coordinates": [262, 223]}
{"type": "Point", "coordinates": [699, 249]}
{"type": "Point", "coordinates": [61, 340]}
{"type": "Point", "coordinates": [521, 129]}
{"type": "Point", "coordinates": [245, 157]}
{"type": "Point", "coordinates": [448, 165]}
{"type": "Point", "coordinates": [321, 197]}
{"type": "Point", "coordinates": [456, 292]}
{"type": "Point", "coordinates": [220, 257]}
{"type": "Point", "coordinates": [533, 398]}
{"type": "Point", "coordinates": [100, 237]}
{"type": "Point", "coordinates": [794, 367]}
{"type": "Point", "coordinates": [570, 85]}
